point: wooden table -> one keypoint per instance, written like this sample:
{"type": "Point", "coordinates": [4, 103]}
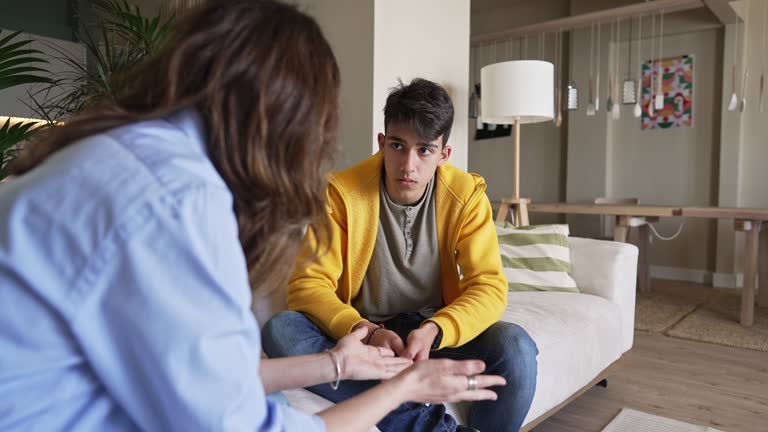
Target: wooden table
{"type": "Point", "coordinates": [748, 220]}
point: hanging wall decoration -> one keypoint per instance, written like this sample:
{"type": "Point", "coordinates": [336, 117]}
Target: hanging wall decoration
{"type": "Point", "coordinates": [677, 90]}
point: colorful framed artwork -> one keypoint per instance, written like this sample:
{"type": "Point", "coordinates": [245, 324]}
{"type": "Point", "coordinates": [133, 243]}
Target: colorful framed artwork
{"type": "Point", "coordinates": [677, 88]}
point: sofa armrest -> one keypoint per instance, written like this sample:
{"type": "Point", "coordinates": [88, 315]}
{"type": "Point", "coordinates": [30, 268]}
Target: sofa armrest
{"type": "Point", "coordinates": [607, 269]}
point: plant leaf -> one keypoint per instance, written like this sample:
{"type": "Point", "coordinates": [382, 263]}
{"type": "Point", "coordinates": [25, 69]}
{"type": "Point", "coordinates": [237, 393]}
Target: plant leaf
{"type": "Point", "coordinates": [18, 70]}
{"type": "Point", "coordinates": [8, 38]}
{"type": "Point", "coordinates": [22, 79]}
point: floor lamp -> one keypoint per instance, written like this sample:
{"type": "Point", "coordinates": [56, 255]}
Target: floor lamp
{"type": "Point", "coordinates": [517, 92]}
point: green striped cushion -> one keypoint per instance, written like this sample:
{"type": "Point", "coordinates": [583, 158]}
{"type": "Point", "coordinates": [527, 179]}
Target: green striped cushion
{"type": "Point", "coordinates": [536, 257]}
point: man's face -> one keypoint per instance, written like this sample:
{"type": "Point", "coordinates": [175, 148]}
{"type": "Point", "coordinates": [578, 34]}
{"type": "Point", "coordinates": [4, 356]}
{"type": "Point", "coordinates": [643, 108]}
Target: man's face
{"type": "Point", "coordinates": [409, 163]}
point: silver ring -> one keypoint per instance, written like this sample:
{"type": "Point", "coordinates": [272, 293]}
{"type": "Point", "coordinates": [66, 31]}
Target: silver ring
{"type": "Point", "coordinates": [471, 382]}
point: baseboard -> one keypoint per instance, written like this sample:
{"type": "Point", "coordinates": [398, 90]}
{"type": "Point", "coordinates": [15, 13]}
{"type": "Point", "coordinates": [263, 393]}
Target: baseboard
{"type": "Point", "coordinates": [682, 274]}
{"type": "Point", "coordinates": [717, 280]}
{"type": "Point", "coordinates": [728, 280]}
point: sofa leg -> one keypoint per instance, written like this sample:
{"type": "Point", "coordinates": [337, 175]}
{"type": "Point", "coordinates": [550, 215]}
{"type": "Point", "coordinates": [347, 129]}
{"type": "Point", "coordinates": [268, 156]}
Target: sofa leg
{"type": "Point", "coordinates": [603, 383]}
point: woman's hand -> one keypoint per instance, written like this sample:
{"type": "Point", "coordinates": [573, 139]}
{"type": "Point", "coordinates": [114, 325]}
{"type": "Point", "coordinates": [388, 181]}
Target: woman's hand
{"type": "Point", "coordinates": [365, 362]}
{"type": "Point", "coordinates": [442, 380]}
{"type": "Point", "coordinates": [431, 381]}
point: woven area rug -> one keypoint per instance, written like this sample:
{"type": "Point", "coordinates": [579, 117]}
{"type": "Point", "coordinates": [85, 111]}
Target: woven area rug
{"type": "Point", "coordinates": [630, 420]}
{"type": "Point", "coordinates": [667, 304]}
{"type": "Point", "coordinates": [717, 321]}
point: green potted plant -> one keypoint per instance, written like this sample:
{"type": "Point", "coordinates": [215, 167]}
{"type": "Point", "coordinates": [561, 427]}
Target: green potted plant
{"type": "Point", "coordinates": [18, 65]}
{"type": "Point", "coordinates": [120, 38]}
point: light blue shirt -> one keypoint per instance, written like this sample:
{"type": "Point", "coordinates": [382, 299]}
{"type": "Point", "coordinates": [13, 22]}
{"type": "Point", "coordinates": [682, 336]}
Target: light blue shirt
{"type": "Point", "coordinates": [124, 296]}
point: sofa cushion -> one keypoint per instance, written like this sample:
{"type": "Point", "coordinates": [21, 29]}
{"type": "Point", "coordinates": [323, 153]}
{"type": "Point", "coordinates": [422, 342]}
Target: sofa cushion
{"type": "Point", "coordinates": [536, 257]}
{"type": "Point", "coordinates": [311, 403]}
{"type": "Point", "coordinates": [578, 336]}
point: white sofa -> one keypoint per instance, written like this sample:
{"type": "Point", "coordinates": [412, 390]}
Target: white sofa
{"type": "Point", "coordinates": [579, 336]}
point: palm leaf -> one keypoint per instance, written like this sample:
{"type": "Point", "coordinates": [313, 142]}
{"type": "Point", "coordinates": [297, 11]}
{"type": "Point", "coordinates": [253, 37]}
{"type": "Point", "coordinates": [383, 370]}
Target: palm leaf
{"type": "Point", "coordinates": [19, 80]}
{"type": "Point", "coordinates": [18, 70]}
{"type": "Point", "coordinates": [5, 49]}
{"type": "Point", "coordinates": [10, 137]}
{"type": "Point", "coordinates": [12, 56]}
{"type": "Point", "coordinates": [132, 26]}
{"type": "Point", "coordinates": [121, 38]}
{"type": "Point", "coordinates": [16, 59]}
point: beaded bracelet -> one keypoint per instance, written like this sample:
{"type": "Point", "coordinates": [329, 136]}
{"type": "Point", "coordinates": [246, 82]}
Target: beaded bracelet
{"type": "Point", "coordinates": [337, 365]}
{"type": "Point", "coordinates": [370, 336]}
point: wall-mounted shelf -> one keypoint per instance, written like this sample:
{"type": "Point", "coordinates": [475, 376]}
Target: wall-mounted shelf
{"type": "Point", "coordinates": [584, 20]}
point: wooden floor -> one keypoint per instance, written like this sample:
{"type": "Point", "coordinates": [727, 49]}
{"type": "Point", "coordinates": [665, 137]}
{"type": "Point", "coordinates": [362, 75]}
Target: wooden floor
{"type": "Point", "coordinates": [700, 383]}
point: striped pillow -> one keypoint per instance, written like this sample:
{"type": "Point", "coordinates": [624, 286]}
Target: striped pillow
{"type": "Point", "coordinates": [536, 257]}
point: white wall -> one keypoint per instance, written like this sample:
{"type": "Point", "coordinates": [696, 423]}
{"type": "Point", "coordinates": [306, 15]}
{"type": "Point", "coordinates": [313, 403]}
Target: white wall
{"type": "Point", "coordinates": [426, 39]}
{"type": "Point", "coordinates": [378, 42]}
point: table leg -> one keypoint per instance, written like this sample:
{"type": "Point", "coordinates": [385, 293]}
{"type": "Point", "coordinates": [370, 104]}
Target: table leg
{"type": "Point", "coordinates": [752, 230]}
{"type": "Point", "coordinates": [621, 229]}
{"type": "Point", "coordinates": [643, 265]}
{"type": "Point", "coordinates": [762, 256]}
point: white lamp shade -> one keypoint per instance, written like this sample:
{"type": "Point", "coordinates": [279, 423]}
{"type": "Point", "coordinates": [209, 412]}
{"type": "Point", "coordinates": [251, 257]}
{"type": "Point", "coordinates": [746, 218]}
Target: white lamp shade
{"type": "Point", "coordinates": [520, 89]}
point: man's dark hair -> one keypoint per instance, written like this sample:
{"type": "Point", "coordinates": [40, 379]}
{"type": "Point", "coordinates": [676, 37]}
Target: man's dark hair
{"type": "Point", "coordinates": [422, 106]}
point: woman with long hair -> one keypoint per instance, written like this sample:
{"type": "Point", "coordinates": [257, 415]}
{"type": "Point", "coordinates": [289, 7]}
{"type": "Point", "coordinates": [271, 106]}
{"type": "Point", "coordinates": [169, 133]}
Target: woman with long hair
{"type": "Point", "coordinates": [133, 236]}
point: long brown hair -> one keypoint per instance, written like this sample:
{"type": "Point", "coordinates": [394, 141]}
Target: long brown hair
{"type": "Point", "coordinates": [266, 82]}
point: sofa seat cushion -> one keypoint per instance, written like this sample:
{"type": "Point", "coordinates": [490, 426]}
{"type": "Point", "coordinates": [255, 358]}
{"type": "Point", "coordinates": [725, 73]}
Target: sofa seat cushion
{"type": "Point", "coordinates": [578, 336]}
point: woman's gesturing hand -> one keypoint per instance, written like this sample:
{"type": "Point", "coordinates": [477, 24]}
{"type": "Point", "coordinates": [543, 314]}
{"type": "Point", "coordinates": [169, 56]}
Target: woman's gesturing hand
{"type": "Point", "coordinates": [364, 362]}
{"type": "Point", "coordinates": [442, 380]}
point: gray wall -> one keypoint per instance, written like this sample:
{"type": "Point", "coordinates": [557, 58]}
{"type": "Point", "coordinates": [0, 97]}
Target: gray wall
{"type": "Point", "coordinates": [742, 174]}
{"type": "Point", "coordinates": [675, 166]}
{"type": "Point", "coordinates": [352, 43]}
{"type": "Point", "coordinates": [593, 157]}
{"type": "Point", "coordinates": [543, 146]}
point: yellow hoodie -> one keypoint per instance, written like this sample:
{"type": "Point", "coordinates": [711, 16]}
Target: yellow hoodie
{"type": "Point", "coordinates": [325, 288]}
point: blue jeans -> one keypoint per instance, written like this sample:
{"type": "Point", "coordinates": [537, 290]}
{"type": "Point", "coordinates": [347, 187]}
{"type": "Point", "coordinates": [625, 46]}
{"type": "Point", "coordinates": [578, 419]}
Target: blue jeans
{"type": "Point", "coordinates": [506, 349]}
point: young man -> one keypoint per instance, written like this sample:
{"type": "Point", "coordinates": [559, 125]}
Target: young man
{"type": "Point", "coordinates": [414, 259]}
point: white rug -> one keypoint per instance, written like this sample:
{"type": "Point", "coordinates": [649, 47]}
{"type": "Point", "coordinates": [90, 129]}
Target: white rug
{"type": "Point", "coordinates": [630, 420]}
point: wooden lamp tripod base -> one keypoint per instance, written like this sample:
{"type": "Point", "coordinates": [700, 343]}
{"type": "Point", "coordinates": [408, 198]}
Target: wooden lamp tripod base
{"type": "Point", "coordinates": [518, 205]}
{"type": "Point", "coordinates": [519, 208]}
